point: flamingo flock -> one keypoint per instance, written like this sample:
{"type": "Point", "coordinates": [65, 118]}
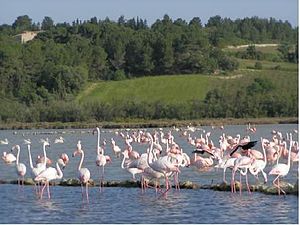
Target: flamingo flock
{"type": "Point", "coordinates": [164, 159]}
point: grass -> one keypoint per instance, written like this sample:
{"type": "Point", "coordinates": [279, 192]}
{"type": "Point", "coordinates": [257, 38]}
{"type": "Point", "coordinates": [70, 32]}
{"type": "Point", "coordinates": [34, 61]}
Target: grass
{"type": "Point", "coordinates": [172, 89]}
{"type": "Point", "coordinates": [268, 65]}
{"type": "Point", "coordinates": [181, 88]}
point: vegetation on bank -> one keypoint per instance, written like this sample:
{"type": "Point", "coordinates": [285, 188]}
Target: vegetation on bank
{"type": "Point", "coordinates": [99, 70]}
{"type": "Point", "coordinates": [140, 123]}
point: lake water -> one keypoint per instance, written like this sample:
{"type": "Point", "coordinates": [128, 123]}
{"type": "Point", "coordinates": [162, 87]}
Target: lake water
{"type": "Point", "coordinates": [129, 205]}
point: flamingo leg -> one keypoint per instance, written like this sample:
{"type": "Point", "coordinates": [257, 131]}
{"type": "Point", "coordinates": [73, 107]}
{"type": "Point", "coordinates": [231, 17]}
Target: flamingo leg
{"type": "Point", "coordinates": [48, 190]}
{"type": "Point", "coordinates": [100, 180]}
{"type": "Point", "coordinates": [42, 192]}
{"type": "Point", "coordinates": [82, 191]}
{"type": "Point", "coordinates": [87, 191]}
{"type": "Point", "coordinates": [240, 184]}
{"type": "Point", "coordinates": [274, 182]}
{"type": "Point", "coordinates": [248, 188]}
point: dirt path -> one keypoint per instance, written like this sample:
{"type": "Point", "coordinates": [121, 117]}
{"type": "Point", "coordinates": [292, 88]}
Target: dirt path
{"type": "Point", "coordinates": [256, 45]}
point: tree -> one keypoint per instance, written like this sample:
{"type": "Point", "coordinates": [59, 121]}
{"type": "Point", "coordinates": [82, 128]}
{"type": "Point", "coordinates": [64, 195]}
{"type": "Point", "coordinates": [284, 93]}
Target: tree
{"type": "Point", "coordinates": [47, 23]}
{"type": "Point", "coordinates": [22, 23]}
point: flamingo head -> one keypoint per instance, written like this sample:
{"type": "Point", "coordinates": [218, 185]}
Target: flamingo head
{"type": "Point", "coordinates": [77, 152]}
{"type": "Point", "coordinates": [65, 158]}
{"type": "Point", "coordinates": [96, 130]}
{"type": "Point", "coordinates": [15, 147]}
{"type": "Point", "coordinates": [108, 159]}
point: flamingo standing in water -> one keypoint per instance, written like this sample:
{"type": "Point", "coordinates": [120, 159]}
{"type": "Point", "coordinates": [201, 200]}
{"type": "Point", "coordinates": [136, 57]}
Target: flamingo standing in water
{"type": "Point", "coordinates": [20, 167]}
{"type": "Point", "coordinates": [243, 162]}
{"type": "Point", "coordinates": [281, 169]}
{"type": "Point", "coordinates": [48, 175]}
{"type": "Point", "coordinates": [40, 167]}
{"type": "Point", "coordinates": [83, 173]}
{"type": "Point", "coordinates": [101, 159]}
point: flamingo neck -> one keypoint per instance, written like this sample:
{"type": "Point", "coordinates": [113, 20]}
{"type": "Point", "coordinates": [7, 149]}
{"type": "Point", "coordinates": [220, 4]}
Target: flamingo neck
{"type": "Point", "coordinates": [30, 159]}
{"type": "Point", "coordinates": [45, 155]}
{"type": "Point", "coordinates": [123, 162]}
{"type": "Point", "coordinates": [150, 150]}
{"type": "Point", "coordinates": [98, 141]}
{"type": "Point", "coordinates": [289, 156]}
{"type": "Point", "coordinates": [81, 160]}
{"type": "Point", "coordinates": [264, 151]}
{"type": "Point", "coordinates": [18, 154]}
{"type": "Point", "coordinates": [59, 172]}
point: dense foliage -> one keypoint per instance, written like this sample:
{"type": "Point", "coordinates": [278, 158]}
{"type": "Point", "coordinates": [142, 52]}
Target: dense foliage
{"type": "Point", "coordinates": [43, 75]}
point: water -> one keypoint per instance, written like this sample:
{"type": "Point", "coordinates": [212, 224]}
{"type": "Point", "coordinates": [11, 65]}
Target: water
{"type": "Point", "coordinates": [128, 205]}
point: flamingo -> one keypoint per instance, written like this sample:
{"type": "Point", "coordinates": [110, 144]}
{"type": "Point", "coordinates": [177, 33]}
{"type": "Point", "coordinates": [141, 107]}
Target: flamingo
{"type": "Point", "coordinates": [8, 158]}
{"type": "Point", "coordinates": [4, 142]}
{"type": "Point", "coordinates": [243, 162]}
{"type": "Point", "coordinates": [162, 165]}
{"type": "Point", "coordinates": [40, 167]}
{"type": "Point", "coordinates": [132, 165]}
{"type": "Point", "coordinates": [281, 169]}
{"type": "Point", "coordinates": [63, 160]}
{"type": "Point", "coordinates": [48, 175]}
{"type": "Point", "coordinates": [83, 173]}
{"type": "Point", "coordinates": [59, 140]}
{"type": "Point", "coordinates": [20, 167]}
{"type": "Point", "coordinates": [101, 159]}
{"type": "Point", "coordinates": [259, 164]}
{"type": "Point", "coordinates": [116, 149]}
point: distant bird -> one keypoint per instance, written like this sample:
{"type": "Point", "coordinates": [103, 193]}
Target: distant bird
{"type": "Point", "coordinates": [59, 140]}
{"type": "Point", "coordinates": [27, 141]}
{"type": "Point", "coordinates": [8, 158]}
{"type": "Point", "coordinates": [4, 142]}
{"type": "Point", "coordinates": [244, 146]}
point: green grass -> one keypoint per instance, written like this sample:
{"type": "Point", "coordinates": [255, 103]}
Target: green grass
{"type": "Point", "coordinates": [181, 88]}
{"type": "Point", "coordinates": [267, 65]}
{"type": "Point", "coordinates": [171, 89]}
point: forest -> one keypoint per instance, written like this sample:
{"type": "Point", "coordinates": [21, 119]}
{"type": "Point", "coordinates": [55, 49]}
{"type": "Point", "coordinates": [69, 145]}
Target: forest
{"type": "Point", "coordinates": [40, 79]}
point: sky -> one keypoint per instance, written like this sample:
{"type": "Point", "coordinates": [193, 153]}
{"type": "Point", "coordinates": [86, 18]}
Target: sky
{"type": "Point", "coordinates": [151, 10]}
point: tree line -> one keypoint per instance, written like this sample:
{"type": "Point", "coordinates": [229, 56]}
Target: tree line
{"type": "Point", "coordinates": [56, 65]}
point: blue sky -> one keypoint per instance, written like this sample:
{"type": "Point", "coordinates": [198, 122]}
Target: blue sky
{"type": "Point", "coordinates": [70, 10]}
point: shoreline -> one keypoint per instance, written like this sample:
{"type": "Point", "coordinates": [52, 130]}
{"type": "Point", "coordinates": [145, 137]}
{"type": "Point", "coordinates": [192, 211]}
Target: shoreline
{"type": "Point", "coordinates": [140, 123]}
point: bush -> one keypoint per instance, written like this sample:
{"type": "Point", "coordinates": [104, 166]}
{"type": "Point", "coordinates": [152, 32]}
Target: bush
{"type": "Point", "coordinates": [258, 65]}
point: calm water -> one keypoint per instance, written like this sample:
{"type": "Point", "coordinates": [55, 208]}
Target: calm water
{"type": "Point", "coordinates": [128, 205]}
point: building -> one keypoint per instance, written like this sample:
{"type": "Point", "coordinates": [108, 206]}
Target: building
{"type": "Point", "coordinates": [26, 36]}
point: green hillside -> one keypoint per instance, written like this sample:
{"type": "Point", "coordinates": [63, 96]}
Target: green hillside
{"type": "Point", "coordinates": [182, 88]}
{"type": "Point", "coordinates": [168, 89]}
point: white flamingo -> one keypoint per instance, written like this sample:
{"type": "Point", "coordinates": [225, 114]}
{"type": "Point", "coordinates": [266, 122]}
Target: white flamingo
{"type": "Point", "coordinates": [8, 158]}
{"type": "Point", "coordinates": [20, 167]}
{"type": "Point", "coordinates": [4, 142]}
{"type": "Point", "coordinates": [259, 164]}
{"type": "Point", "coordinates": [281, 169]}
{"type": "Point", "coordinates": [83, 173]}
{"type": "Point", "coordinates": [59, 140]}
{"type": "Point", "coordinates": [101, 159]}
{"type": "Point", "coordinates": [40, 167]}
{"type": "Point", "coordinates": [48, 175]}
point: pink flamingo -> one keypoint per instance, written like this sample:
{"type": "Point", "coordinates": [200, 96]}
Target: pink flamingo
{"type": "Point", "coordinates": [259, 165]}
{"type": "Point", "coordinates": [101, 159]}
{"type": "Point", "coordinates": [281, 169]}
{"type": "Point", "coordinates": [20, 167]}
{"type": "Point", "coordinates": [8, 158]}
{"type": "Point", "coordinates": [162, 165]}
{"type": "Point", "coordinates": [83, 173]}
{"type": "Point", "coordinates": [48, 175]}
{"type": "Point", "coordinates": [243, 162]}
{"type": "Point", "coordinates": [116, 149]}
